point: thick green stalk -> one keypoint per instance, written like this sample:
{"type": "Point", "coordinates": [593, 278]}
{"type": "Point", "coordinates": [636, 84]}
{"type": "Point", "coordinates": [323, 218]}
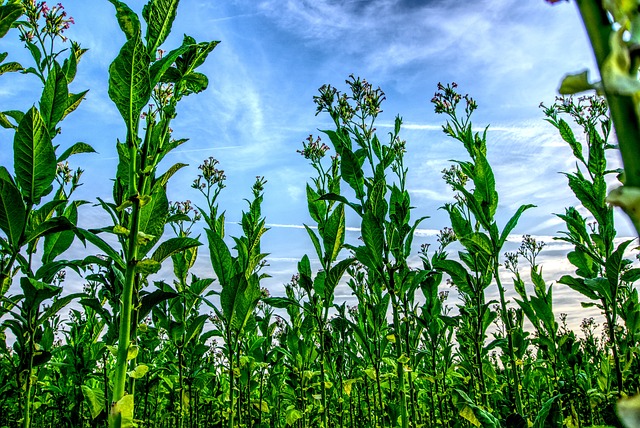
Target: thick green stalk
{"type": "Point", "coordinates": [623, 108]}
{"type": "Point", "coordinates": [124, 341]}
{"type": "Point", "coordinates": [404, 423]}
{"type": "Point", "coordinates": [515, 379]}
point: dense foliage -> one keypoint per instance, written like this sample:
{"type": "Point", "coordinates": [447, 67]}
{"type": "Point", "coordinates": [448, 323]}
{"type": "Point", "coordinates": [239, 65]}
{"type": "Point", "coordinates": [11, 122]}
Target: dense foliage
{"type": "Point", "coordinates": [135, 348]}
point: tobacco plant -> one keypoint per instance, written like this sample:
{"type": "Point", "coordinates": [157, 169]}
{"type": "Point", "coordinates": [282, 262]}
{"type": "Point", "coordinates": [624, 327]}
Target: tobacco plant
{"type": "Point", "coordinates": [139, 80]}
{"type": "Point", "coordinates": [384, 208]}
{"type": "Point", "coordinates": [603, 274]}
{"type": "Point", "coordinates": [614, 34]}
{"type": "Point", "coordinates": [474, 226]}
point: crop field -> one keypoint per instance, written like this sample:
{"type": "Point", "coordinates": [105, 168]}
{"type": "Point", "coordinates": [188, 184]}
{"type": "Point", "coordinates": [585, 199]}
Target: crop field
{"type": "Point", "coordinates": [107, 318]}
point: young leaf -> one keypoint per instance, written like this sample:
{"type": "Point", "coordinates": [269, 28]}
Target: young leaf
{"type": "Point", "coordinates": [53, 101]}
{"type": "Point", "coordinates": [127, 19]}
{"type": "Point", "coordinates": [159, 15]}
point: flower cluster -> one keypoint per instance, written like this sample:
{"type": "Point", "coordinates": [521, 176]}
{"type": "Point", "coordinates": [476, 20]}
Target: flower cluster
{"type": "Point", "coordinates": [454, 177]}
{"type": "Point", "coordinates": [56, 20]}
{"type": "Point", "coordinates": [211, 175]}
{"type": "Point", "coordinates": [530, 248]}
{"type": "Point", "coordinates": [313, 150]}
{"type": "Point", "coordinates": [446, 100]}
{"type": "Point", "coordinates": [446, 236]}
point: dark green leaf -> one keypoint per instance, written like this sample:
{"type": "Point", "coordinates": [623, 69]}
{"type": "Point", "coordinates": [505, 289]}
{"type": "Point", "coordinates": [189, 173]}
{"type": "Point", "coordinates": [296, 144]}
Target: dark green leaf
{"type": "Point", "coordinates": [9, 13]}
{"type": "Point", "coordinates": [75, 149]}
{"type": "Point", "coordinates": [12, 211]}
{"type": "Point", "coordinates": [129, 82]}
{"type": "Point", "coordinates": [172, 246]}
{"type": "Point", "coordinates": [34, 157]}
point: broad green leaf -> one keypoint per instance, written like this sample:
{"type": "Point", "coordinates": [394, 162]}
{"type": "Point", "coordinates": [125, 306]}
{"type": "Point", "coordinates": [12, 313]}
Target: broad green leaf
{"type": "Point", "coordinates": [172, 246]}
{"type": "Point", "coordinates": [485, 186]}
{"type": "Point", "coordinates": [614, 264]}
{"type": "Point", "coordinates": [333, 233]}
{"type": "Point", "coordinates": [95, 400]}
{"type": "Point", "coordinates": [220, 258]}
{"type": "Point", "coordinates": [352, 173]}
{"type": "Point", "coordinates": [57, 243]}
{"type": "Point", "coordinates": [9, 13]}
{"type": "Point", "coordinates": [73, 101]}
{"type": "Point", "coordinates": [151, 300]}
{"type": "Point", "coordinates": [373, 236]}
{"type": "Point", "coordinates": [159, 15]}
{"type": "Point", "coordinates": [12, 211]}
{"type": "Point", "coordinates": [127, 19]}
{"type": "Point", "coordinates": [53, 101]}
{"type": "Point", "coordinates": [57, 306]}
{"type": "Point", "coordinates": [147, 267]}
{"type": "Point", "coordinates": [292, 415]}
{"type": "Point", "coordinates": [34, 157]}
{"type": "Point", "coordinates": [47, 227]}
{"type": "Point", "coordinates": [129, 83]}
{"type": "Point", "coordinates": [76, 149]}
{"type": "Point", "coordinates": [315, 241]}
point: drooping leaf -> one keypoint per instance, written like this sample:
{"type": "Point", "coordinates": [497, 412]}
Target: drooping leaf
{"type": "Point", "coordinates": [75, 149]}
{"type": "Point", "coordinates": [153, 218]}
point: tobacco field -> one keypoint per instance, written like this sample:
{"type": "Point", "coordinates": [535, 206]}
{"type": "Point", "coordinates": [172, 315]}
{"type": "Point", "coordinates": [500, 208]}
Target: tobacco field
{"type": "Point", "coordinates": [149, 343]}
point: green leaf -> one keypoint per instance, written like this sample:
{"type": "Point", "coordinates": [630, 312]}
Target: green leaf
{"type": "Point", "coordinates": [57, 306]}
{"type": "Point", "coordinates": [541, 417]}
{"type": "Point", "coordinates": [47, 227]}
{"type": "Point", "coordinates": [373, 236]}
{"type": "Point", "coordinates": [576, 83]}
{"type": "Point", "coordinates": [95, 400]}
{"type": "Point", "coordinates": [172, 246]}
{"type": "Point", "coordinates": [122, 412]}
{"type": "Point", "coordinates": [34, 157]}
{"type": "Point", "coordinates": [485, 183]}
{"type": "Point", "coordinates": [352, 173]}
{"type": "Point", "coordinates": [151, 300]}
{"type": "Point", "coordinates": [220, 258]}
{"type": "Point", "coordinates": [127, 19]}
{"type": "Point", "coordinates": [12, 211]}
{"type": "Point", "coordinates": [53, 101]}
{"type": "Point", "coordinates": [614, 264]}
{"type": "Point", "coordinates": [139, 372]}
{"type": "Point", "coordinates": [153, 218]}
{"type": "Point", "coordinates": [511, 224]}
{"type": "Point", "coordinates": [333, 233]}
{"type": "Point", "coordinates": [75, 149]}
{"type": "Point", "coordinates": [57, 243]}
{"type": "Point", "coordinates": [129, 82]}
{"type": "Point", "coordinates": [102, 245]}
{"type": "Point", "coordinates": [9, 13]}
{"type": "Point", "coordinates": [73, 101]}
{"type": "Point", "coordinates": [292, 415]}
{"type": "Point", "coordinates": [148, 267]}
{"type": "Point", "coordinates": [159, 15]}
{"type": "Point", "coordinates": [9, 67]}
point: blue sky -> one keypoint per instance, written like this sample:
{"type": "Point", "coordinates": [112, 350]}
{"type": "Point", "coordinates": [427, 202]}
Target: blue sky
{"type": "Point", "coordinates": [275, 54]}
